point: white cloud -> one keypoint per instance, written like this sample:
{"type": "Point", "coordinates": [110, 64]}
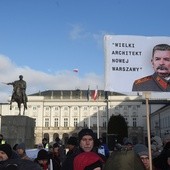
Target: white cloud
{"type": "Point", "coordinates": [41, 81]}
{"type": "Point", "coordinates": [78, 32]}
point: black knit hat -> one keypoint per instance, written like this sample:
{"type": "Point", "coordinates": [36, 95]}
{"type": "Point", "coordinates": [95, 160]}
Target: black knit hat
{"type": "Point", "coordinates": [84, 132]}
{"type": "Point", "coordinates": [72, 141]}
{"type": "Point", "coordinates": [42, 155]}
{"type": "Point", "coordinates": [7, 149]}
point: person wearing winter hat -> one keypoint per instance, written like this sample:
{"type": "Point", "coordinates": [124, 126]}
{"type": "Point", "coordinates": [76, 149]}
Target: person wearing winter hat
{"type": "Point", "coordinates": [88, 161]}
{"type": "Point", "coordinates": [143, 153]}
{"type": "Point", "coordinates": [5, 152]}
{"type": "Point", "coordinates": [86, 139]}
{"type": "Point", "coordinates": [72, 141]}
{"type": "Point", "coordinates": [20, 149]}
{"type": "Point", "coordinates": [55, 155]}
{"type": "Point", "coordinates": [72, 145]}
{"type": "Point", "coordinates": [72, 151]}
{"type": "Point", "coordinates": [157, 142]}
{"type": "Point", "coordinates": [44, 160]}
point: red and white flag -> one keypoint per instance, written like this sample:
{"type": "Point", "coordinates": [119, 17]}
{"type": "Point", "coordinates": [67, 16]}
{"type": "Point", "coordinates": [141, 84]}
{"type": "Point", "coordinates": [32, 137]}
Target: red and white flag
{"type": "Point", "coordinates": [75, 70]}
{"type": "Point", "coordinates": [95, 94]}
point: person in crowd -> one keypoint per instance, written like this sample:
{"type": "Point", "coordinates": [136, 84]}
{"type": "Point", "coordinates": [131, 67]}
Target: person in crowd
{"type": "Point", "coordinates": [15, 147]}
{"type": "Point", "coordinates": [21, 151]}
{"type": "Point", "coordinates": [143, 153]}
{"type": "Point", "coordinates": [156, 146]}
{"type": "Point", "coordinates": [73, 150]}
{"type": "Point", "coordinates": [102, 147]}
{"type": "Point", "coordinates": [2, 141]}
{"type": "Point", "coordinates": [162, 161]}
{"type": "Point", "coordinates": [5, 152]}
{"type": "Point", "coordinates": [43, 159]}
{"type": "Point", "coordinates": [55, 156]}
{"type": "Point", "coordinates": [88, 161]}
{"type": "Point", "coordinates": [86, 138]}
{"type": "Point", "coordinates": [159, 80]}
{"type": "Point", "coordinates": [166, 139]}
{"type": "Point", "coordinates": [62, 150]}
{"type": "Point", "coordinates": [20, 164]}
{"type": "Point", "coordinates": [124, 159]}
{"type": "Point", "coordinates": [45, 143]}
{"type": "Point", "coordinates": [127, 143]}
{"type": "Point", "coordinates": [40, 146]}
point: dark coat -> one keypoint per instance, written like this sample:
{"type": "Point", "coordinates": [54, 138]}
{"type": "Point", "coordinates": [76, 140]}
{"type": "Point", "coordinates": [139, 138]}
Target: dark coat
{"type": "Point", "coordinates": [151, 83]}
{"type": "Point", "coordinates": [21, 164]}
{"type": "Point", "coordinates": [124, 160]}
{"type": "Point", "coordinates": [68, 163]}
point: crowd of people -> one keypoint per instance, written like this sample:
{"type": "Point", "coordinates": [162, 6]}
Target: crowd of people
{"type": "Point", "coordinates": [85, 152]}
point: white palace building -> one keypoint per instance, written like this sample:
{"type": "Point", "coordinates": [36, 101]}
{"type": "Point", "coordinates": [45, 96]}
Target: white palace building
{"type": "Point", "coordinates": [63, 113]}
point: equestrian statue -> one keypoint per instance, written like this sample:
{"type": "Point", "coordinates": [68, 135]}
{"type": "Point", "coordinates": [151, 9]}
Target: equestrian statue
{"type": "Point", "coordinates": [19, 94]}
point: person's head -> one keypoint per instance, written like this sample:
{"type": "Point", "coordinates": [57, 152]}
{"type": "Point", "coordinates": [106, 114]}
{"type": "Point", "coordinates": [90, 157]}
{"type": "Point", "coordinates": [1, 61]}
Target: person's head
{"type": "Point", "coordinates": [42, 156]}
{"type": "Point", "coordinates": [15, 147]}
{"type": "Point", "coordinates": [124, 160]}
{"type": "Point", "coordinates": [143, 153]}
{"type": "Point", "coordinates": [44, 140]}
{"type": "Point", "coordinates": [72, 142]}
{"type": "Point", "coordinates": [161, 59]}
{"type": "Point", "coordinates": [1, 136]}
{"type": "Point", "coordinates": [166, 139]}
{"type": "Point", "coordinates": [86, 139]}
{"type": "Point", "coordinates": [5, 152]}
{"type": "Point", "coordinates": [40, 146]}
{"type": "Point", "coordinates": [157, 142]}
{"type": "Point", "coordinates": [20, 77]}
{"type": "Point", "coordinates": [127, 142]}
{"type": "Point", "coordinates": [56, 149]}
{"type": "Point", "coordinates": [20, 149]}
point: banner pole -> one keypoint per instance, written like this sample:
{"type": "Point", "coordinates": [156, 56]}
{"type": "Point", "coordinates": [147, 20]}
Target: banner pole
{"type": "Point", "coordinates": [147, 95]}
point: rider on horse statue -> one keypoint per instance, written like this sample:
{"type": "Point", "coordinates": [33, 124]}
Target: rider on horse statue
{"type": "Point", "coordinates": [19, 91]}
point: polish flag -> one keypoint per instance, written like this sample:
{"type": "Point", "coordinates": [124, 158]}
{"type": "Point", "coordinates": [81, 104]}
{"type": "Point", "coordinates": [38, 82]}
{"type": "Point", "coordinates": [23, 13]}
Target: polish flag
{"type": "Point", "coordinates": [95, 94]}
{"type": "Point", "coordinates": [75, 70]}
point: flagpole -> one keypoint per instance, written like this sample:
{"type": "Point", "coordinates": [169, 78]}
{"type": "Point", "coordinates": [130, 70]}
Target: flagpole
{"type": "Point", "coordinates": [88, 98]}
{"type": "Point", "coordinates": [98, 123]}
{"type": "Point", "coordinates": [98, 133]}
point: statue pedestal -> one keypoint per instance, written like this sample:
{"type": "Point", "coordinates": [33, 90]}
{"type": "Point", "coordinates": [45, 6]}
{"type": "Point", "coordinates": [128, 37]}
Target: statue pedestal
{"type": "Point", "coordinates": [17, 129]}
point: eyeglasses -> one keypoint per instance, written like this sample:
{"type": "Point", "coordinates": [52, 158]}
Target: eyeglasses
{"type": "Point", "coordinates": [144, 158]}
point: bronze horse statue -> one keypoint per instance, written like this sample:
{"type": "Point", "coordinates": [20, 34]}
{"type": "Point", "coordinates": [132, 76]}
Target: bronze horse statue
{"type": "Point", "coordinates": [19, 98]}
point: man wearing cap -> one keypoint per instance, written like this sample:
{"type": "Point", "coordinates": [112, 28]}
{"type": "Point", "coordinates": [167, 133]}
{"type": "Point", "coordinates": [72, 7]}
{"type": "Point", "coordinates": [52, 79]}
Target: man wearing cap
{"type": "Point", "coordinates": [86, 138]}
{"type": "Point", "coordinates": [143, 153]}
{"type": "Point", "coordinates": [5, 152]}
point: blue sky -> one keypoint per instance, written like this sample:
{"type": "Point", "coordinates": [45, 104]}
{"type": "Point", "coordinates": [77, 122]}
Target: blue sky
{"type": "Point", "coordinates": [44, 40]}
